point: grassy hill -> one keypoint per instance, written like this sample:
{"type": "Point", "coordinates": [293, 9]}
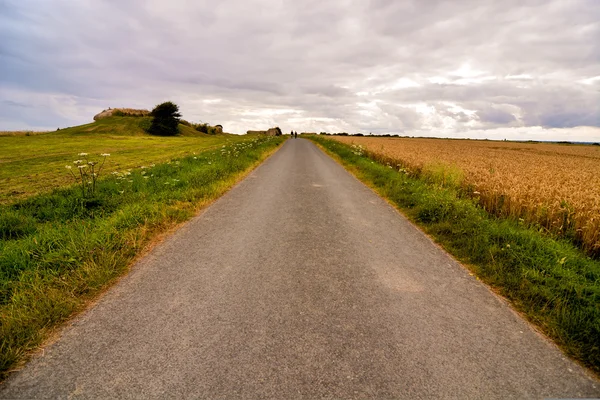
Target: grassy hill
{"type": "Point", "coordinates": [36, 164]}
{"type": "Point", "coordinates": [129, 126]}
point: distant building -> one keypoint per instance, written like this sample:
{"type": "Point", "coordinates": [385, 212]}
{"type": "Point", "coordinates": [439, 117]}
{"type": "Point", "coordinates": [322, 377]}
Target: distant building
{"type": "Point", "coordinates": [271, 132]}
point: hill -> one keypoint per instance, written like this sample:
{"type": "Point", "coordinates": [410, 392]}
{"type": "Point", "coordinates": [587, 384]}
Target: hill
{"type": "Point", "coordinates": [32, 164]}
{"type": "Point", "coordinates": [130, 126]}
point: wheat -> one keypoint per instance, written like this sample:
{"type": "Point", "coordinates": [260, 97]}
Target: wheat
{"type": "Point", "coordinates": [554, 186]}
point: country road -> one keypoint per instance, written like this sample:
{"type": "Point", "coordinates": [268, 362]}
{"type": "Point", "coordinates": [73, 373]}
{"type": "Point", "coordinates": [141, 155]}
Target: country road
{"type": "Point", "coordinates": [300, 283]}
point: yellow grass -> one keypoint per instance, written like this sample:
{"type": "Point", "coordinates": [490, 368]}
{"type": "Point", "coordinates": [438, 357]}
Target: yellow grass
{"type": "Point", "coordinates": [553, 185]}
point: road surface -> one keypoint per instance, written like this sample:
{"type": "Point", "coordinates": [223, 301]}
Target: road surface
{"type": "Point", "coordinates": [300, 283]}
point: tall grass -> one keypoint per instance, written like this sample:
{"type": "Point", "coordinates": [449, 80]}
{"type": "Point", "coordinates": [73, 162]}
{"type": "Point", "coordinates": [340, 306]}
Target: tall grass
{"type": "Point", "coordinates": [58, 250]}
{"type": "Point", "coordinates": [555, 284]}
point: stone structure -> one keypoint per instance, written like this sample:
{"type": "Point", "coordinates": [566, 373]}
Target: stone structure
{"type": "Point", "coordinates": [274, 131]}
{"type": "Point", "coordinates": [123, 112]}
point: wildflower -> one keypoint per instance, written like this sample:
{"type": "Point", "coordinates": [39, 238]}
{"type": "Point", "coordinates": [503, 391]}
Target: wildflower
{"type": "Point", "coordinates": [121, 191]}
{"type": "Point", "coordinates": [146, 177]}
{"type": "Point", "coordinates": [105, 155]}
{"type": "Point", "coordinates": [68, 167]}
{"type": "Point", "coordinates": [476, 192]}
{"type": "Point", "coordinates": [82, 166]}
{"type": "Point", "coordinates": [92, 163]}
{"type": "Point", "coordinates": [82, 154]}
{"type": "Point", "coordinates": [77, 162]}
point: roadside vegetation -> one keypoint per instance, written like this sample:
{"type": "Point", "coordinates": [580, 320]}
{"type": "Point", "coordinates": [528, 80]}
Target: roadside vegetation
{"type": "Point", "coordinates": [59, 249]}
{"type": "Point", "coordinates": [554, 187]}
{"type": "Point", "coordinates": [552, 281]}
{"type": "Point", "coordinates": [32, 164]}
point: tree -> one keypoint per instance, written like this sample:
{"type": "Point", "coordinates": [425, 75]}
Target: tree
{"type": "Point", "coordinates": [165, 120]}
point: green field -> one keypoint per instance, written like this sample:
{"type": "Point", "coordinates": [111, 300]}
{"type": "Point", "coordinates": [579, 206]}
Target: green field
{"type": "Point", "coordinates": [59, 249]}
{"type": "Point", "coordinates": [36, 164]}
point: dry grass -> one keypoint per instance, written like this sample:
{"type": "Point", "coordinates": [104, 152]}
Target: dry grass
{"type": "Point", "coordinates": [551, 185]}
{"type": "Point", "coordinates": [131, 112]}
{"type": "Point", "coordinates": [22, 133]}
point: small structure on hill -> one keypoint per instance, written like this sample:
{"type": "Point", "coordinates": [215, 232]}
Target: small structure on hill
{"type": "Point", "coordinates": [274, 131]}
{"type": "Point", "coordinates": [271, 132]}
{"type": "Point", "coordinates": [121, 112]}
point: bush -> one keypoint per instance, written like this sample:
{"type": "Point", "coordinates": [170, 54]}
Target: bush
{"type": "Point", "coordinates": [165, 120]}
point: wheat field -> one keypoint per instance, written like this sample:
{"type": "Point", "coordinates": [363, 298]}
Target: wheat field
{"type": "Point", "coordinates": [553, 186]}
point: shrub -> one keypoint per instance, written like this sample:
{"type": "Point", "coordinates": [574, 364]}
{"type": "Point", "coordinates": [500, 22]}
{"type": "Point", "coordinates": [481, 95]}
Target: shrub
{"type": "Point", "coordinates": [202, 128]}
{"type": "Point", "coordinates": [165, 120]}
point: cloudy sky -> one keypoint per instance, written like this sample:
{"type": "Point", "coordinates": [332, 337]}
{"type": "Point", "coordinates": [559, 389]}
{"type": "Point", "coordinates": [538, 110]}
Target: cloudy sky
{"type": "Point", "coordinates": [517, 69]}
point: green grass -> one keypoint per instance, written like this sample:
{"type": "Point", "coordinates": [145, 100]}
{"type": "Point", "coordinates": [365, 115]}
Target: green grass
{"type": "Point", "coordinates": [36, 164]}
{"type": "Point", "coordinates": [551, 281]}
{"type": "Point", "coordinates": [59, 250]}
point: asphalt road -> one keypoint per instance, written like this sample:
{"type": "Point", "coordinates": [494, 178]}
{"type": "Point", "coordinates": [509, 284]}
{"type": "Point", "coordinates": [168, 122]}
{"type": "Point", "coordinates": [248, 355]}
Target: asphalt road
{"type": "Point", "coordinates": [300, 283]}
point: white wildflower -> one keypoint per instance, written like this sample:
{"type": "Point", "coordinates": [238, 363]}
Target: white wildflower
{"type": "Point", "coordinates": [68, 167]}
{"type": "Point", "coordinates": [82, 154]}
{"type": "Point", "coordinates": [105, 155]}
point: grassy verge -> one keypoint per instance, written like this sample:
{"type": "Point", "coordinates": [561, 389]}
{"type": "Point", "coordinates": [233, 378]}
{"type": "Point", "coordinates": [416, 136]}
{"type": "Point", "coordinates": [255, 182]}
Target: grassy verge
{"type": "Point", "coordinates": [551, 281]}
{"type": "Point", "coordinates": [57, 250]}
{"type": "Point", "coordinates": [36, 164]}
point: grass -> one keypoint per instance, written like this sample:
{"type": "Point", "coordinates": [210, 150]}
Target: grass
{"type": "Point", "coordinates": [58, 250]}
{"type": "Point", "coordinates": [555, 284]}
{"type": "Point", "coordinates": [36, 164]}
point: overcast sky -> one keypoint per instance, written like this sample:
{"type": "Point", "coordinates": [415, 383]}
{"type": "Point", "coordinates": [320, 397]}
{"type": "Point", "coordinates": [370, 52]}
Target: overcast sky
{"type": "Point", "coordinates": [516, 69]}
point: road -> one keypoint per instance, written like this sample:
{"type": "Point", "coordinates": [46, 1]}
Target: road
{"type": "Point", "coordinates": [300, 283]}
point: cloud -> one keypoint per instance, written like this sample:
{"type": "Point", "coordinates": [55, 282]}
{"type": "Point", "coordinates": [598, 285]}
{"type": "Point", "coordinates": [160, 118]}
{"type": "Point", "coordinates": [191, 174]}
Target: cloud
{"type": "Point", "coordinates": [381, 66]}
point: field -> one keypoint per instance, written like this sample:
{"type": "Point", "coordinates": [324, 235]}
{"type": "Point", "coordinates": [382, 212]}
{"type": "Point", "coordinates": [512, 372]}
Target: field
{"type": "Point", "coordinates": [553, 186]}
{"type": "Point", "coordinates": [59, 248]}
{"type": "Point", "coordinates": [36, 163]}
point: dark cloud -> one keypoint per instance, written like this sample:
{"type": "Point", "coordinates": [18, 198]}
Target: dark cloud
{"type": "Point", "coordinates": [385, 66]}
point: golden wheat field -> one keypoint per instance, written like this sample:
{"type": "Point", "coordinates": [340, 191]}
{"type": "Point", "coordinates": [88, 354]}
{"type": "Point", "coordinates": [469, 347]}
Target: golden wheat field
{"type": "Point", "coordinates": [554, 185]}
